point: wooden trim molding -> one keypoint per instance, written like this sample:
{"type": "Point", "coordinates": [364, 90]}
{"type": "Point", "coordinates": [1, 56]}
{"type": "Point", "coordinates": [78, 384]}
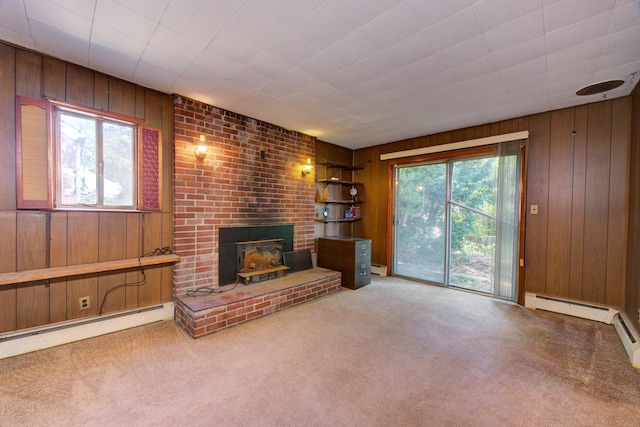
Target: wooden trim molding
{"type": "Point", "coordinates": [514, 136]}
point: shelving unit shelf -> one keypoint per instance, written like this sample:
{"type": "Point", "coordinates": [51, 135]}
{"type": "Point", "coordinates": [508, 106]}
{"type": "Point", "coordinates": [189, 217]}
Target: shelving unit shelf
{"type": "Point", "coordinates": [332, 190]}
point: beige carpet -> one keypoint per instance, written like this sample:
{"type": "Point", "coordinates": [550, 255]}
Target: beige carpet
{"type": "Point", "coordinates": [394, 353]}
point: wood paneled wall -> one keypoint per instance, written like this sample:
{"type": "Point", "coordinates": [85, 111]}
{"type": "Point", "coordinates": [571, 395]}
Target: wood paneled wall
{"type": "Point", "coordinates": [633, 266]}
{"type": "Point", "coordinates": [578, 175]}
{"type": "Point", "coordinates": [32, 239]}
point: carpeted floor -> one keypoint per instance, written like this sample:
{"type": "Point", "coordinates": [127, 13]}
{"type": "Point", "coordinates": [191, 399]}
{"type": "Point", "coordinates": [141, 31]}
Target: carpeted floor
{"type": "Point", "coordinates": [394, 353]}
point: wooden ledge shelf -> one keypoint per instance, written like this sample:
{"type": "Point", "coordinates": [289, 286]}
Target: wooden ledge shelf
{"type": "Point", "coordinates": [80, 269]}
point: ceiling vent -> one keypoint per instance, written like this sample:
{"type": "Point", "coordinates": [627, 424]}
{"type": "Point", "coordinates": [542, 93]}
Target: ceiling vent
{"type": "Point", "coordinates": [600, 87]}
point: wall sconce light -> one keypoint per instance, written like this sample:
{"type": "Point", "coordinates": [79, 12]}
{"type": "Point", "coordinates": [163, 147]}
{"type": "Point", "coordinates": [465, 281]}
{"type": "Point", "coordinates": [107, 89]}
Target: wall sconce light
{"type": "Point", "coordinates": [306, 169]}
{"type": "Point", "coordinates": [201, 150]}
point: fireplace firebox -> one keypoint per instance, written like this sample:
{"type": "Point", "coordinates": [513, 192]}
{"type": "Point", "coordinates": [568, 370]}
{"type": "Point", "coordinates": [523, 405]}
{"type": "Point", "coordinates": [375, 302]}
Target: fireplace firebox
{"type": "Point", "coordinates": [259, 260]}
{"type": "Point", "coordinates": [230, 237]}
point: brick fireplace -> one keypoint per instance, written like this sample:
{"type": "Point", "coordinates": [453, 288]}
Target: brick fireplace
{"type": "Point", "coordinates": [251, 176]}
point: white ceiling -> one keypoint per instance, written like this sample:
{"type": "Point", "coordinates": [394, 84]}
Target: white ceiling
{"type": "Point", "coordinates": [352, 72]}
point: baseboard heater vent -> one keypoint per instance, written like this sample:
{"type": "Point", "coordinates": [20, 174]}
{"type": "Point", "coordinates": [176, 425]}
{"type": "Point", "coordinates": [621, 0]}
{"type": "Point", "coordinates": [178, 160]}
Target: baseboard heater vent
{"type": "Point", "coordinates": [28, 340]}
{"type": "Point", "coordinates": [571, 308]}
{"type": "Point", "coordinates": [626, 331]}
{"type": "Point", "coordinates": [380, 270]}
{"type": "Point", "coordinates": [629, 337]}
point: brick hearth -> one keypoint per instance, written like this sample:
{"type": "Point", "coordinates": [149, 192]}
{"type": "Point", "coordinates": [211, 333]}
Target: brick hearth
{"type": "Point", "coordinates": [205, 315]}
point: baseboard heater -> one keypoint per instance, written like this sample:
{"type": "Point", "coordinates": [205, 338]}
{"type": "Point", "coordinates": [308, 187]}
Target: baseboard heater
{"type": "Point", "coordinates": [28, 340]}
{"type": "Point", "coordinates": [626, 331]}
{"type": "Point", "coordinates": [380, 270]}
{"type": "Point", "coordinates": [629, 337]}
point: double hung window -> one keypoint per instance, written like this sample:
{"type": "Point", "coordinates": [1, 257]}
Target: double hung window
{"type": "Point", "coordinates": [73, 157]}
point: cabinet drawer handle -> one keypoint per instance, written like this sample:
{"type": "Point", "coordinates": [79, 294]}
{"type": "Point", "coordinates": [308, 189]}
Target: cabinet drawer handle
{"type": "Point", "coordinates": [363, 266]}
{"type": "Point", "coordinates": [363, 254]}
{"type": "Point", "coordinates": [363, 273]}
{"type": "Point", "coordinates": [364, 246]}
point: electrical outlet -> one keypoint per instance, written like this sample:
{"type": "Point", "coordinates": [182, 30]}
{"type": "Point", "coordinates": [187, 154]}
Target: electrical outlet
{"type": "Point", "coordinates": [534, 209]}
{"type": "Point", "coordinates": [85, 303]}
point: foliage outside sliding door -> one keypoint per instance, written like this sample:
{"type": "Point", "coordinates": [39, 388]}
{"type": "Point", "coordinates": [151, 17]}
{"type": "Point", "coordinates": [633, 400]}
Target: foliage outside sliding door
{"type": "Point", "coordinates": [456, 221]}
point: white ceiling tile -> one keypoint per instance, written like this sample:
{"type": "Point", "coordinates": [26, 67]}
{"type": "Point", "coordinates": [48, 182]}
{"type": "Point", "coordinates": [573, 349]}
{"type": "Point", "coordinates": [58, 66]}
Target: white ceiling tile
{"type": "Point", "coordinates": [115, 40]}
{"type": "Point", "coordinates": [297, 78]}
{"type": "Point", "coordinates": [427, 13]}
{"type": "Point", "coordinates": [112, 62]}
{"type": "Point", "coordinates": [622, 72]}
{"type": "Point", "coordinates": [625, 16]}
{"type": "Point", "coordinates": [339, 100]}
{"type": "Point", "coordinates": [170, 41]}
{"type": "Point", "coordinates": [198, 74]}
{"type": "Point", "coordinates": [388, 28]}
{"type": "Point", "coordinates": [14, 6]}
{"type": "Point", "coordinates": [517, 31]}
{"type": "Point", "coordinates": [583, 52]}
{"type": "Point", "coordinates": [234, 45]}
{"type": "Point", "coordinates": [292, 48]}
{"type": "Point", "coordinates": [391, 80]}
{"type": "Point", "coordinates": [250, 79]}
{"type": "Point", "coordinates": [14, 21]}
{"type": "Point", "coordinates": [258, 25]}
{"type": "Point", "coordinates": [51, 14]}
{"type": "Point", "coordinates": [155, 77]}
{"type": "Point", "coordinates": [321, 90]}
{"type": "Point", "coordinates": [522, 71]}
{"type": "Point", "coordinates": [620, 57]}
{"type": "Point", "coordinates": [59, 44]}
{"type": "Point", "coordinates": [622, 40]}
{"type": "Point", "coordinates": [268, 64]}
{"type": "Point", "coordinates": [217, 63]}
{"type": "Point", "coordinates": [189, 88]}
{"type": "Point", "coordinates": [83, 8]}
{"type": "Point", "coordinates": [116, 16]}
{"type": "Point", "coordinates": [322, 27]}
{"type": "Point", "coordinates": [344, 79]}
{"type": "Point", "coordinates": [351, 49]}
{"type": "Point", "coordinates": [301, 100]}
{"type": "Point", "coordinates": [435, 82]}
{"type": "Point", "coordinates": [152, 9]}
{"type": "Point", "coordinates": [408, 50]}
{"type": "Point", "coordinates": [567, 12]}
{"type": "Point", "coordinates": [493, 13]}
{"type": "Point", "coordinates": [452, 30]}
{"type": "Point", "coordinates": [277, 90]}
{"type": "Point", "coordinates": [185, 19]}
{"type": "Point", "coordinates": [572, 70]}
{"type": "Point", "coordinates": [468, 50]}
{"type": "Point", "coordinates": [321, 65]}
{"type": "Point", "coordinates": [535, 82]}
{"type": "Point", "coordinates": [164, 60]}
{"type": "Point", "coordinates": [519, 53]}
{"type": "Point", "coordinates": [424, 67]}
{"type": "Point", "coordinates": [475, 68]}
{"type": "Point", "coordinates": [581, 32]}
{"type": "Point", "coordinates": [372, 67]}
{"type": "Point", "coordinates": [484, 87]}
{"type": "Point", "coordinates": [290, 12]}
{"type": "Point", "coordinates": [358, 12]}
{"type": "Point", "coordinates": [17, 38]}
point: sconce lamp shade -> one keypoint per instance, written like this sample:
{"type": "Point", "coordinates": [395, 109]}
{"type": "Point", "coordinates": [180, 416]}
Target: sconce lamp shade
{"type": "Point", "coordinates": [306, 169]}
{"type": "Point", "coordinates": [201, 152]}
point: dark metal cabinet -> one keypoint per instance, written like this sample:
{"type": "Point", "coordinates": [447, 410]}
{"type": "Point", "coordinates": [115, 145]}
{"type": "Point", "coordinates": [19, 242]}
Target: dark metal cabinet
{"type": "Point", "coordinates": [349, 255]}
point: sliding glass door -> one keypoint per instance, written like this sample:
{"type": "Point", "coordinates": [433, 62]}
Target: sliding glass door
{"type": "Point", "coordinates": [456, 221]}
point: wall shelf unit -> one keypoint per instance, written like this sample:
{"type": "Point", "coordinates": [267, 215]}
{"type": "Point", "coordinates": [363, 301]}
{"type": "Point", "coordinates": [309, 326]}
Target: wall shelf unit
{"type": "Point", "coordinates": [337, 198]}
